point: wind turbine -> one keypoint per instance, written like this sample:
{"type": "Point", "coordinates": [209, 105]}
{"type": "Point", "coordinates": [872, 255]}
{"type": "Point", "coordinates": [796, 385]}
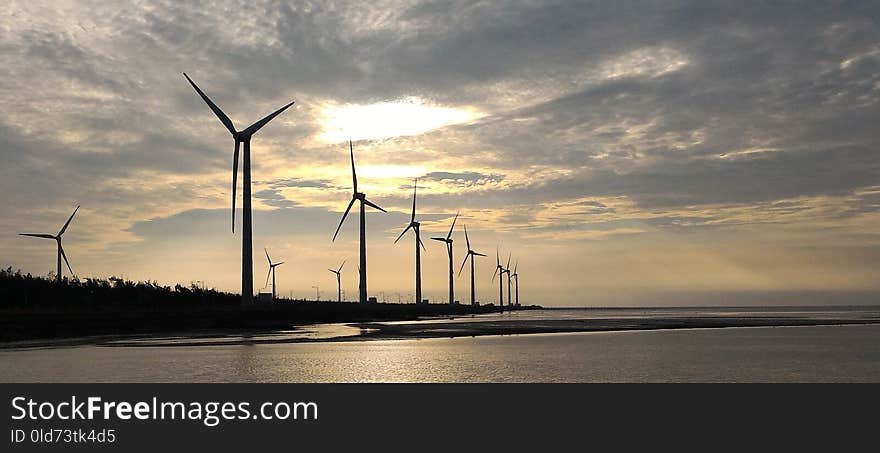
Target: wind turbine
{"type": "Point", "coordinates": [516, 282]}
{"type": "Point", "coordinates": [499, 271]}
{"type": "Point", "coordinates": [507, 271]}
{"type": "Point", "coordinates": [242, 137]}
{"type": "Point", "coordinates": [362, 269]}
{"type": "Point", "coordinates": [57, 238]}
{"type": "Point", "coordinates": [448, 241]}
{"type": "Point", "coordinates": [272, 267]}
{"type": "Point", "coordinates": [470, 254]}
{"type": "Point", "coordinates": [415, 227]}
{"type": "Point", "coordinates": [338, 273]}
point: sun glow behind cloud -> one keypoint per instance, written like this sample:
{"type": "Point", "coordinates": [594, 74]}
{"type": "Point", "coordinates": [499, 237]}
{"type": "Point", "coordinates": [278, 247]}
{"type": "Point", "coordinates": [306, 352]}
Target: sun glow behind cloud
{"type": "Point", "coordinates": [405, 117]}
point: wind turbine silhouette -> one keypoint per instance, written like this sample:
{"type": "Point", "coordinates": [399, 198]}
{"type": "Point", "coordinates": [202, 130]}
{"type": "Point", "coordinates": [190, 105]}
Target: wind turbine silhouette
{"type": "Point", "coordinates": [415, 227]}
{"type": "Point", "coordinates": [448, 241]}
{"type": "Point", "coordinates": [338, 281]}
{"type": "Point", "coordinates": [242, 137]}
{"type": "Point", "coordinates": [507, 271]}
{"type": "Point", "coordinates": [362, 269]}
{"type": "Point", "coordinates": [516, 281]}
{"type": "Point", "coordinates": [470, 254]}
{"type": "Point", "coordinates": [272, 267]}
{"type": "Point", "coordinates": [57, 239]}
{"type": "Point", "coordinates": [499, 271]}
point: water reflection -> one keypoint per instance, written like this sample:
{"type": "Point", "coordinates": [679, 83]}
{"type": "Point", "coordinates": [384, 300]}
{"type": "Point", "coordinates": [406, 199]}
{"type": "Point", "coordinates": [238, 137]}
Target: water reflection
{"type": "Point", "coordinates": [781, 354]}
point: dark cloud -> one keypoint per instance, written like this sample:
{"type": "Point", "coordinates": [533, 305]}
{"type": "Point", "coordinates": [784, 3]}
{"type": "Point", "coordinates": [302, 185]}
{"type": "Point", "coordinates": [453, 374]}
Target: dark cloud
{"type": "Point", "coordinates": [463, 179]}
{"type": "Point", "coordinates": [273, 198]}
{"type": "Point", "coordinates": [300, 182]}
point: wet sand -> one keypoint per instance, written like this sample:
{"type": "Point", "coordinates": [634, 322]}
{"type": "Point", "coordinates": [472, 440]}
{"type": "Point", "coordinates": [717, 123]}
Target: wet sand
{"type": "Point", "coordinates": [516, 327]}
{"type": "Point", "coordinates": [471, 328]}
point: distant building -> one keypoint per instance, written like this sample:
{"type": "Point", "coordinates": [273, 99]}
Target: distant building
{"type": "Point", "coordinates": [264, 297]}
{"type": "Point", "coordinates": [372, 300]}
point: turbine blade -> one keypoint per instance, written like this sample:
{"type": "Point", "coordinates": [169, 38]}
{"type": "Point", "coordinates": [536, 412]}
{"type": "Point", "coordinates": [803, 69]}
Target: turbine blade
{"type": "Point", "coordinates": [267, 256]}
{"type": "Point", "coordinates": [278, 264]}
{"type": "Point", "coordinates": [373, 205]}
{"type": "Point", "coordinates": [331, 270]}
{"type": "Point", "coordinates": [423, 245]}
{"type": "Point", "coordinates": [340, 266]}
{"type": "Point", "coordinates": [453, 225]}
{"type": "Point", "coordinates": [64, 228]}
{"type": "Point", "coordinates": [477, 253]}
{"type": "Point", "coordinates": [463, 263]}
{"type": "Point", "coordinates": [404, 232]}
{"type": "Point", "coordinates": [508, 261]}
{"type": "Point", "coordinates": [497, 258]}
{"type": "Point", "coordinates": [439, 239]}
{"type": "Point", "coordinates": [514, 267]}
{"type": "Point", "coordinates": [222, 116]}
{"type": "Point", "coordinates": [253, 128]}
{"type": "Point", "coordinates": [267, 277]}
{"type": "Point", "coordinates": [47, 236]}
{"type": "Point", "coordinates": [466, 240]}
{"type": "Point", "coordinates": [415, 185]}
{"type": "Point", "coordinates": [354, 178]}
{"type": "Point", "coordinates": [350, 203]}
{"type": "Point", "coordinates": [234, 181]}
{"type": "Point", "coordinates": [495, 273]}
{"type": "Point", "coordinates": [65, 258]}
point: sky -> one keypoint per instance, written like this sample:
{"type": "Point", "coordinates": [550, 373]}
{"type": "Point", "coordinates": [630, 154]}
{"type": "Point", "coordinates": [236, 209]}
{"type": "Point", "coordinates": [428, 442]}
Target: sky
{"type": "Point", "coordinates": [624, 153]}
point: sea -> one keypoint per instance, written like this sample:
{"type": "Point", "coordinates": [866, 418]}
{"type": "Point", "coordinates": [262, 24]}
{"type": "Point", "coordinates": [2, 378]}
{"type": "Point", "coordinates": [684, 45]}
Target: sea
{"type": "Point", "coordinates": [828, 353]}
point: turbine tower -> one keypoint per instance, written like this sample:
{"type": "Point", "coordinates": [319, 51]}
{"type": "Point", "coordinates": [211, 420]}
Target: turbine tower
{"type": "Point", "coordinates": [415, 227]}
{"type": "Point", "coordinates": [507, 271]}
{"type": "Point", "coordinates": [338, 273]}
{"type": "Point", "coordinates": [242, 137]}
{"type": "Point", "coordinates": [516, 282]}
{"type": "Point", "coordinates": [470, 254]}
{"type": "Point", "coordinates": [272, 267]}
{"type": "Point", "coordinates": [499, 271]}
{"type": "Point", "coordinates": [57, 239]}
{"type": "Point", "coordinates": [448, 241]}
{"type": "Point", "coordinates": [358, 196]}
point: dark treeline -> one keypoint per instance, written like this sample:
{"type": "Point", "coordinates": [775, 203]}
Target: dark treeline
{"type": "Point", "coordinates": [34, 307]}
{"type": "Point", "coordinates": [34, 293]}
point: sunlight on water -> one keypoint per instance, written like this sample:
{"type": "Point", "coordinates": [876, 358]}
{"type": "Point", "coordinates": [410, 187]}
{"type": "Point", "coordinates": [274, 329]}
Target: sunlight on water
{"type": "Point", "coordinates": [781, 354]}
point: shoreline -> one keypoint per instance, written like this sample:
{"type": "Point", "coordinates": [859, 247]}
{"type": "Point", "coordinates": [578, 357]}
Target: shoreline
{"type": "Point", "coordinates": [85, 327]}
{"type": "Point", "coordinates": [372, 331]}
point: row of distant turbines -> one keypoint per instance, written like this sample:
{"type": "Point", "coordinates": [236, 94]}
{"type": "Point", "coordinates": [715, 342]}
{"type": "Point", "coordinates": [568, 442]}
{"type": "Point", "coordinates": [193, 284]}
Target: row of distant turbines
{"type": "Point", "coordinates": [413, 225]}
{"type": "Point", "coordinates": [243, 137]}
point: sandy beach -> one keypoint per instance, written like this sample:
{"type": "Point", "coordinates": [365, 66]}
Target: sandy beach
{"type": "Point", "coordinates": [476, 326]}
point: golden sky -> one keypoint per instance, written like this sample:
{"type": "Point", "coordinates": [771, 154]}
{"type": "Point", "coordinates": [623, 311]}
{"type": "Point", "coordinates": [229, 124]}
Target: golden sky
{"type": "Point", "coordinates": [652, 155]}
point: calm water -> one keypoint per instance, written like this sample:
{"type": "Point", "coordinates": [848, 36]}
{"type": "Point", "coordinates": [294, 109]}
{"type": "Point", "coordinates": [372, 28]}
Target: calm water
{"type": "Point", "coordinates": [776, 354]}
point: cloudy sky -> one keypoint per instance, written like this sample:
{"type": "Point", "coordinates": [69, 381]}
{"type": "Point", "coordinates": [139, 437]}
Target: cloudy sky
{"type": "Point", "coordinates": [645, 153]}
